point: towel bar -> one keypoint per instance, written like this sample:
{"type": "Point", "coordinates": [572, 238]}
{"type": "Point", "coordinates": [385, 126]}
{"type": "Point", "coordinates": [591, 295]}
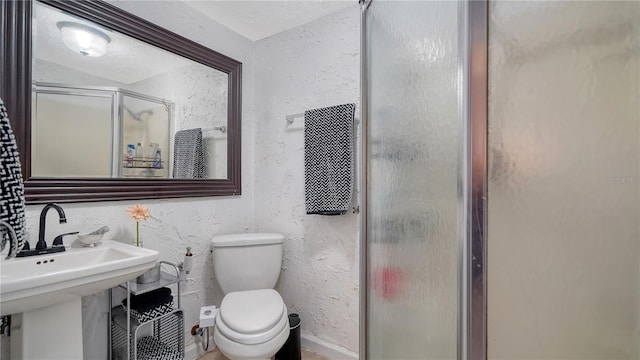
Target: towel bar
{"type": "Point", "coordinates": [292, 117]}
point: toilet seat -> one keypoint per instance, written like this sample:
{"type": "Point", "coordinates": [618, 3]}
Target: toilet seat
{"type": "Point", "coordinates": [236, 351]}
{"type": "Point", "coordinates": [252, 317]}
{"type": "Point", "coordinates": [252, 339]}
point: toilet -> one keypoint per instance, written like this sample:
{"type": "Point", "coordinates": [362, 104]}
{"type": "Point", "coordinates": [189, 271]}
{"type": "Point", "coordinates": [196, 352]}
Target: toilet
{"type": "Point", "coordinates": [252, 322]}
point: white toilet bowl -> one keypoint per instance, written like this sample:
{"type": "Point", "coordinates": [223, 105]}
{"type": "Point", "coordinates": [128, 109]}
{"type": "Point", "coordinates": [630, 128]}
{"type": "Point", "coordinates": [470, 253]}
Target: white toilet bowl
{"type": "Point", "coordinates": [251, 324]}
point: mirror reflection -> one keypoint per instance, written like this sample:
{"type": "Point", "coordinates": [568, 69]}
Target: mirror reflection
{"type": "Point", "coordinates": [108, 105]}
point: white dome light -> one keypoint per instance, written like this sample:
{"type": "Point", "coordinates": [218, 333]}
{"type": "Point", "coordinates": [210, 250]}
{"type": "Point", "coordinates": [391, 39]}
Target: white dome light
{"type": "Point", "coordinates": [84, 39]}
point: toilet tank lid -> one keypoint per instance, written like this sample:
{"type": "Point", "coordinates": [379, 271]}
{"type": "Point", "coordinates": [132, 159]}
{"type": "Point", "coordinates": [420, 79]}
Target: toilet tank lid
{"type": "Point", "coordinates": [247, 239]}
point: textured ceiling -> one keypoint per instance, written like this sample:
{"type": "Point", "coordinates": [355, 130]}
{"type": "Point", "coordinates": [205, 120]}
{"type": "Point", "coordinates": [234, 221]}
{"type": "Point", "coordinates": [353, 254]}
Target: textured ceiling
{"type": "Point", "coordinates": [256, 20]}
{"type": "Point", "coordinates": [127, 60]}
{"type": "Point", "coordinates": [253, 19]}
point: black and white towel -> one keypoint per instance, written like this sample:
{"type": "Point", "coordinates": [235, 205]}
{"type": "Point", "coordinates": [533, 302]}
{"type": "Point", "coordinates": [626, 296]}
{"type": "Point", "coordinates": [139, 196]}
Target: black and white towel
{"type": "Point", "coordinates": [150, 305]}
{"type": "Point", "coordinates": [151, 348]}
{"type": "Point", "coordinates": [329, 159]}
{"type": "Point", "coordinates": [151, 313]}
{"type": "Point", "coordinates": [188, 155]}
{"type": "Point", "coordinates": [11, 186]}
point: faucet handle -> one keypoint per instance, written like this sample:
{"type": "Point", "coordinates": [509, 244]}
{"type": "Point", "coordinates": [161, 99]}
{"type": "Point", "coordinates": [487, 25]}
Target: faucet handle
{"type": "Point", "coordinates": [57, 241]}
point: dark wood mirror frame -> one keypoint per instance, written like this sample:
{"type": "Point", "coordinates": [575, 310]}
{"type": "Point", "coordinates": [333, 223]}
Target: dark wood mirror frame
{"type": "Point", "coordinates": [15, 90]}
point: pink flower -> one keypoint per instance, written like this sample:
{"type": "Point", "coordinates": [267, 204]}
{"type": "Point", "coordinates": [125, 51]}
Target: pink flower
{"type": "Point", "coordinates": [138, 212]}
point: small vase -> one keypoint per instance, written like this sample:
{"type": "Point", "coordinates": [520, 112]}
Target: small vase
{"type": "Point", "coordinates": [150, 276]}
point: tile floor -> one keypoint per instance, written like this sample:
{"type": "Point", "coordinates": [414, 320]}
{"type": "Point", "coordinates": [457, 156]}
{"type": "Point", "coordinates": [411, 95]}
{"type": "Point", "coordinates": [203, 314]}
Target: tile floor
{"type": "Point", "coordinates": [216, 355]}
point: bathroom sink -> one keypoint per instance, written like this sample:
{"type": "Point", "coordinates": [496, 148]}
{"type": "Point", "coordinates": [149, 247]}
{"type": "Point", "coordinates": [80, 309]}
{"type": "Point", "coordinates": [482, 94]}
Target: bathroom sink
{"type": "Point", "coordinates": [38, 281]}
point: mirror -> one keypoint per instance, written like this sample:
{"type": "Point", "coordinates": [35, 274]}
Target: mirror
{"type": "Point", "coordinates": [118, 108]}
{"type": "Point", "coordinates": [115, 112]}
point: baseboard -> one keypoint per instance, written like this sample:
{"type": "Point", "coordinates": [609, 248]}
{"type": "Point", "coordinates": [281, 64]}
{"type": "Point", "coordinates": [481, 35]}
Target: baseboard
{"type": "Point", "coordinates": [195, 350]}
{"type": "Point", "coordinates": [325, 349]}
{"type": "Point", "coordinates": [191, 351]}
{"type": "Point", "coordinates": [309, 342]}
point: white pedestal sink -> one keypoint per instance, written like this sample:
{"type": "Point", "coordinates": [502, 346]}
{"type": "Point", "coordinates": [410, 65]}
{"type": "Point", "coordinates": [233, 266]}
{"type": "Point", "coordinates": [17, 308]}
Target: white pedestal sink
{"type": "Point", "coordinates": [47, 289]}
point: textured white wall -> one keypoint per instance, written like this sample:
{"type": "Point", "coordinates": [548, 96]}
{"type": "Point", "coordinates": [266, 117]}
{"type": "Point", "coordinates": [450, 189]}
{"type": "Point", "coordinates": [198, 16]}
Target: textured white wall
{"type": "Point", "coordinates": [176, 223]}
{"type": "Point", "coordinates": [312, 66]}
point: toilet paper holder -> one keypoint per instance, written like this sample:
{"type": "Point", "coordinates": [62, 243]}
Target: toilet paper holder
{"type": "Point", "coordinates": [187, 264]}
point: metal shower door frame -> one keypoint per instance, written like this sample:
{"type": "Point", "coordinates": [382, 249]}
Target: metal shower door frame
{"type": "Point", "coordinates": [472, 183]}
{"type": "Point", "coordinates": [117, 103]}
{"type": "Point", "coordinates": [472, 337]}
{"type": "Point", "coordinates": [170, 108]}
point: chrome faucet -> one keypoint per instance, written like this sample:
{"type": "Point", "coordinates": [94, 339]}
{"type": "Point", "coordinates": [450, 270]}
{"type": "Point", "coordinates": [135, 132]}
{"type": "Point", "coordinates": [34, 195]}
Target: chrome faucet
{"type": "Point", "coordinates": [13, 245]}
{"type": "Point", "coordinates": [43, 216]}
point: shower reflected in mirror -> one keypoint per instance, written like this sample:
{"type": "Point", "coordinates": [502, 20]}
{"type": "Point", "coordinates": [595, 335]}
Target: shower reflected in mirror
{"type": "Point", "coordinates": [112, 109]}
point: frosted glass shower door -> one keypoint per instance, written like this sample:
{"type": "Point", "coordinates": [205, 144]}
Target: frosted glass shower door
{"type": "Point", "coordinates": [145, 126]}
{"type": "Point", "coordinates": [564, 175]}
{"type": "Point", "coordinates": [414, 142]}
{"type": "Point", "coordinates": [71, 133]}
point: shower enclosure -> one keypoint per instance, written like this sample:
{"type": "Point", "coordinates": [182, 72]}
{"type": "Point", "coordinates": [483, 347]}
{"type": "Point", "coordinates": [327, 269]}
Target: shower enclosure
{"type": "Point", "coordinates": [82, 131]}
{"type": "Point", "coordinates": [501, 180]}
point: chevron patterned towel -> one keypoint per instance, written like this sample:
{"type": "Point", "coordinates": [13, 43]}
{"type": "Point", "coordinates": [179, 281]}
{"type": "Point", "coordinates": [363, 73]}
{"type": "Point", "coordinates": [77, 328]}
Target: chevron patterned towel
{"type": "Point", "coordinates": [188, 155]}
{"type": "Point", "coordinates": [328, 159]}
{"type": "Point", "coordinates": [11, 186]}
{"type": "Point", "coordinates": [151, 313]}
{"type": "Point", "coordinates": [151, 348]}
{"type": "Point", "coordinates": [150, 305]}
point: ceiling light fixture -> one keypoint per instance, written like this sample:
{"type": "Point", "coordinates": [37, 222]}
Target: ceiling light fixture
{"type": "Point", "coordinates": [83, 39]}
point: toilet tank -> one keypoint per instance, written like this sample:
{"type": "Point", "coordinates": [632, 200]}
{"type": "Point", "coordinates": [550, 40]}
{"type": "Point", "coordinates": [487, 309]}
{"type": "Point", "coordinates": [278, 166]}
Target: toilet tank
{"type": "Point", "coordinates": [247, 261]}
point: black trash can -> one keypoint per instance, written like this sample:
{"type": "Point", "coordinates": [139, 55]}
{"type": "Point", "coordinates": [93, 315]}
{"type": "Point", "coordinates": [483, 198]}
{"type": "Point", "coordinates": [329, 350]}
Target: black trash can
{"type": "Point", "coordinates": [291, 349]}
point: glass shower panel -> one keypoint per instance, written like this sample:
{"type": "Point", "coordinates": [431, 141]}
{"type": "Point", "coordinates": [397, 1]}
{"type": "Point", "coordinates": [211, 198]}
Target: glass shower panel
{"type": "Point", "coordinates": [72, 135]}
{"type": "Point", "coordinates": [145, 138]}
{"type": "Point", "coordinates": [564, 175]}
{"type": "Point", "coordinates": [413, 160]}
